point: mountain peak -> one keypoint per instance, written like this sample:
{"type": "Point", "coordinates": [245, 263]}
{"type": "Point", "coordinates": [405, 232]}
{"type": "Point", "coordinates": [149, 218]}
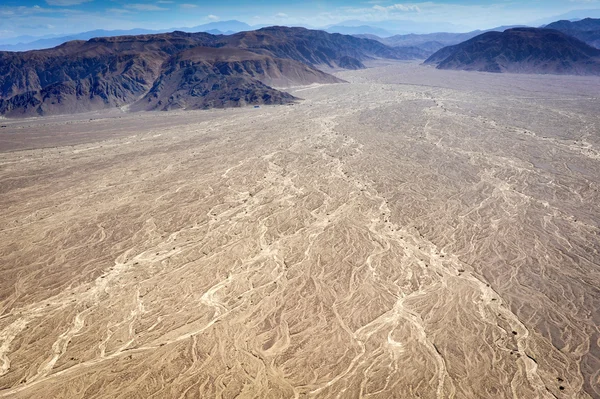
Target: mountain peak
{"type": "Point", "coordinates": [521, 50]}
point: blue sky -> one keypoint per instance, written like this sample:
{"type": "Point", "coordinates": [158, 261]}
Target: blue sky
{"type": "Point", "coordinates": [51, 17]}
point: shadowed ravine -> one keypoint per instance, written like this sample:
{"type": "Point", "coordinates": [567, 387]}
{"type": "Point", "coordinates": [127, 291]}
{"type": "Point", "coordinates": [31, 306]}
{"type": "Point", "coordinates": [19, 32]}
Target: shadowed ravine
{"type": "Point", "coordinates": [410, 234]}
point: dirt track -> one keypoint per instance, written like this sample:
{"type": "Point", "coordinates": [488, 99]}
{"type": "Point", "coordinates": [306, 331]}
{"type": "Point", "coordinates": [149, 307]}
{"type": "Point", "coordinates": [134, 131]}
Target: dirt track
{"type": "Point", "coordinates": [415, 233]}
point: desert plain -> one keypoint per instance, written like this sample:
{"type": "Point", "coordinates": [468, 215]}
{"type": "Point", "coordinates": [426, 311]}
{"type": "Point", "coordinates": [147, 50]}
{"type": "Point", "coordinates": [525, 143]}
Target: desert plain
{"type": "Point", "coordinates": [413, 233]}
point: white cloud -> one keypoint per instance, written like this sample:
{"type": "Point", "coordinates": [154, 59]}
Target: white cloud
{"type": "Point", "coordinates": [6, 33]}
{"type": "Point", "coordinates": [145, 7]}
{"type": "Point", "coordinates": [281, 15]}
{"type": "Point", "coordinates": [213, 17]}
{"type": "Point", "coordinates": [398, 7]}
{"type": "Point", "coordinates": [187, 5]}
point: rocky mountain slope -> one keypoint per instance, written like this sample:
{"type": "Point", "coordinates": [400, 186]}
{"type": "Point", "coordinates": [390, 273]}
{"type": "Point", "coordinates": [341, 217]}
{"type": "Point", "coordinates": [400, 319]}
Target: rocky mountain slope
{"type": "Point", "coordinates": [317, 48]}
{"type": "Point", "coordinates": [203, 77]}
{"type": "Point", "coordinates": [81, 76]}
{"type": "Point", "coordinates": [587, 30]}
{"type": "Point", "coordinates": [521, 50]}
{"type": "Point", "coordinates": [429, 43]}
{"type": "Point", "coordinates": [159, 72]}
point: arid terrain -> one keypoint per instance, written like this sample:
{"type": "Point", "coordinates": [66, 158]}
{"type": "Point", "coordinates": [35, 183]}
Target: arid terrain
{"type": "Point", "coordinates": [414, 233]}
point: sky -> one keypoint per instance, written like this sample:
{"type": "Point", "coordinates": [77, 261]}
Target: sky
{"type": "Point", "coordinates": [58, 17]}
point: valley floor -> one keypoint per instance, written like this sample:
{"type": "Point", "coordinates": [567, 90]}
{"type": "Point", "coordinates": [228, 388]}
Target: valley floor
{"type": "Point", "coordinates": [413, 233]}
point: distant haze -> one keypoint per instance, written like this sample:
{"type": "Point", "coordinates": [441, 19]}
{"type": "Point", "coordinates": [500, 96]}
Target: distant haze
{"type": "Point", "coordinates": [20, 20]}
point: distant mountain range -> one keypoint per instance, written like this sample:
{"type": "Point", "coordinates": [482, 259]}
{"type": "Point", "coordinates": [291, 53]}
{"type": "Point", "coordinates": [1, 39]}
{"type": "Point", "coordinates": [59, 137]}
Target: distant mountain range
{"type": "Point", "coordinates": [397, 27]}
{"type": "Point", "coordinates": [358, 30]}
{"type": "Point", "coordinates": [574, 15]}
{"type": "Point", "coordinates": [383, 29]}
{"type": "Point", "coordinates": [521, 50]}
{"type": "Point", "coordinates": [586, 30]}
{"type": "Point", "coordinates": [391, 32]}
{"type": "Point", "coordinates": [431, 42]}
{"type": "Point", "coordinates": [56, 41]}
{"type": "Point", "coordinates": [26, 43]}
{"type": "Point", "coordinates": [163, 71]}
{"type": "Point", "coordinates": [177, 70]}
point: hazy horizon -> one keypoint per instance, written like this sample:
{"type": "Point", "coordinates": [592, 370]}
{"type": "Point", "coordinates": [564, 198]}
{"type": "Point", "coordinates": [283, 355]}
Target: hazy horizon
{"type": "Point", "coordinates": [62, 17]}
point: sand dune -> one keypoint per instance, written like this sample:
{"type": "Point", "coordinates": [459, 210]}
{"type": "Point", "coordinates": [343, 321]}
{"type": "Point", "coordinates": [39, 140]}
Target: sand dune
{"type": "Point", "coordinates": [415, 233]}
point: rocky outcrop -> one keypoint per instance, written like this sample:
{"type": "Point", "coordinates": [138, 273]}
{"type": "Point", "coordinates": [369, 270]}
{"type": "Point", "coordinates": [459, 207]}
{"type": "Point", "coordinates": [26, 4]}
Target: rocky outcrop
{"type": "Point", "coordinates": [206, 78]}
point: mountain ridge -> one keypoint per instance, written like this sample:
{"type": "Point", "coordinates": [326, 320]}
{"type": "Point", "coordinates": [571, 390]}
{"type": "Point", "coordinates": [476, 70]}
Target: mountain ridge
{"type": "Point", "coordinates": [233, 70]}
{"type": "Point", "coordinates": [587, 30]}
{"type": "Point", "coordinates": [202, 78]}
{"type": "Point", "coordinates": [220, 27]}
{"type": "Point", "coordinates": [521, 50]}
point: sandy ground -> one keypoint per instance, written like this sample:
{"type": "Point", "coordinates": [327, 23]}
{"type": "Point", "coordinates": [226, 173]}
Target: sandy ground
{"type": "Point", "coordinates": [414, 233]}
